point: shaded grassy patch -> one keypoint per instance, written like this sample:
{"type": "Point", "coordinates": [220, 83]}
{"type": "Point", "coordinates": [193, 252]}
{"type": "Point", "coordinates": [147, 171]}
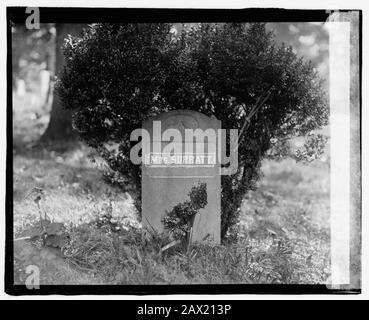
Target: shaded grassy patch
{"type": "Point", "coordinates": [283, 235]}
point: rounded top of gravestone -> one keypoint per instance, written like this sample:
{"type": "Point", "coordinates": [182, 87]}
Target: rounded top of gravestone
{"type": "Point", "coordinates": [183, 119]}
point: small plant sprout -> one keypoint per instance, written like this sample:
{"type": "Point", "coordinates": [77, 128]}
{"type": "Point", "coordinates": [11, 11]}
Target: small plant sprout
{"type": "Point", "coordinates": [37, 194]}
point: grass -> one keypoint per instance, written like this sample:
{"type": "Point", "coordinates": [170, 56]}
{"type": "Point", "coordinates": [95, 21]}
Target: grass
{"type": "Point", "coordinates": [283, 235]}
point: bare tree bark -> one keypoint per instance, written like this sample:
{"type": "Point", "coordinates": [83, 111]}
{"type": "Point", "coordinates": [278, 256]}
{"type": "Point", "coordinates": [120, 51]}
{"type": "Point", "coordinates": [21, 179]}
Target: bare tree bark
{"type": "Point", "coordinates": [60, 125]}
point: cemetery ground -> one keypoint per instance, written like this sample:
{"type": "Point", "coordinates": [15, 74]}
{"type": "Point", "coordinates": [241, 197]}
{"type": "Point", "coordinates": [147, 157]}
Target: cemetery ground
{"type": "Point", "coordinates": [283, 234]}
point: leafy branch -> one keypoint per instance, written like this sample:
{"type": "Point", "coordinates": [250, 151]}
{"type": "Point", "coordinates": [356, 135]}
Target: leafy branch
{"type": "Point", "coordinates": [179, 221]}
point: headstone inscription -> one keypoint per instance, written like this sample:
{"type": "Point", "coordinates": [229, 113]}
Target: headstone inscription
{"type": "Point", "coordinates": [182, 154]}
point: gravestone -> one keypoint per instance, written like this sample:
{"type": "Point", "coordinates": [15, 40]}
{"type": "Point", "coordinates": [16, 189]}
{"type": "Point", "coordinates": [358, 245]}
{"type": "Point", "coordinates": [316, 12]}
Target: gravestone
{"type": "Point", "coordinates": [168, 178]}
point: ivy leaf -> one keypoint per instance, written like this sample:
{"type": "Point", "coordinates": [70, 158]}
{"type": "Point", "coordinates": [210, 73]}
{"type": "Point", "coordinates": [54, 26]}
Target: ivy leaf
{"type": "Point", "coordinates": [55, 228]}
{"type": "Point", "coordinates": [56, 241]}
{"type": "Point", "coordinates": [37, 230]}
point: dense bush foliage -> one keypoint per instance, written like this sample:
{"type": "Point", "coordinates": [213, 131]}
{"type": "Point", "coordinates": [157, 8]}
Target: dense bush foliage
{"type": "Point", "coordinates": [118, 75]}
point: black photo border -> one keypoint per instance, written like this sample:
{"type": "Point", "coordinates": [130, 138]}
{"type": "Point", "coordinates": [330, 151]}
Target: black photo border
{"type": "Point", "coordinates": [121, 15]}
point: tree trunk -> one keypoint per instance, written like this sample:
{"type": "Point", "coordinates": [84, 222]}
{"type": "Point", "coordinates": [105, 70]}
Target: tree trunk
{"type": "Point", "coordinates": [60, 125]}
{"type": "Point", "coordinates": [50, 66]}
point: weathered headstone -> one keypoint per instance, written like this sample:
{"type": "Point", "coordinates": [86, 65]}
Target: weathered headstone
{"type": "Point", "coordinates": [167, 178]}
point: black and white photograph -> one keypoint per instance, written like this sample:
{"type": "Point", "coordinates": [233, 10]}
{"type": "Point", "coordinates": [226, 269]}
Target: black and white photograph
{"type": "Point", "coordinates": [183, 151]}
